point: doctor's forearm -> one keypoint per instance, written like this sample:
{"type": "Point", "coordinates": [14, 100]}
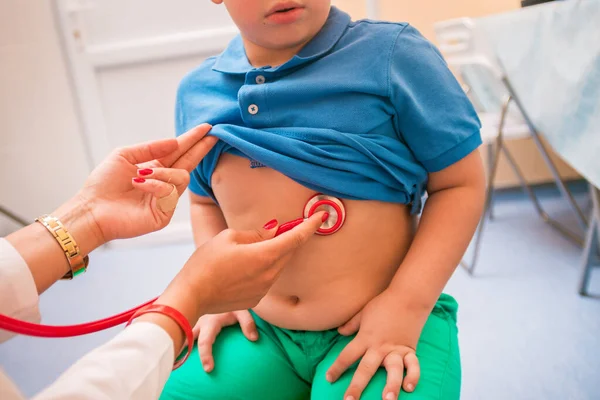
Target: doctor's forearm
{"type": "Point", "coordinates": [186, 299]}
{"type": "Point", "coordinates": [42, 253]}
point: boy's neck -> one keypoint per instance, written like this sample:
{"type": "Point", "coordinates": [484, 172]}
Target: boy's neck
{"type": "Point", "coordinates": [259, 56]}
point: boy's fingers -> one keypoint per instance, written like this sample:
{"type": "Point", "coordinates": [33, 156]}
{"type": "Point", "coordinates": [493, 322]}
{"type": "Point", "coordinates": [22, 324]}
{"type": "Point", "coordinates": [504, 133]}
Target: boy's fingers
{"type": "Point", "coordinates": [394, 366]}
{"type": "Point", "coordinates": [413, 372]}
{"type": "Point", "coordinates": [367, 367]}
{"type": "Point", "coordinates": [351, 353]}
{"type": "Point", "coordinates": [247, 324]}
{"type": "Point", "coordinates": [207, 337]}
{"type": "Point", "coordinates": [196, 331]}
{"type": "Point", "coordinates": [350, 327]}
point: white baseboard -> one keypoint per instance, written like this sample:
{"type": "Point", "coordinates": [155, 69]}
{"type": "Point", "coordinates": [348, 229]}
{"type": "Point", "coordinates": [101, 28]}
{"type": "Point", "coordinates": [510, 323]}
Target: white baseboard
{"type": "Point", "coordinates": [176, 232]}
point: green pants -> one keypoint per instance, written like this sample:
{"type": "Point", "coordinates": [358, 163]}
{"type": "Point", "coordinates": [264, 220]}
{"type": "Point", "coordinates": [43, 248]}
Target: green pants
{"type": "Point", "coordinates": [291, 365]}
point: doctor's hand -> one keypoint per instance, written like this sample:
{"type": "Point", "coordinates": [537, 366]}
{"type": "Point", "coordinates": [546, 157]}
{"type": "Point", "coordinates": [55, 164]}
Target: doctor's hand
{"type": "Point", "coordinates": [121, 197]}
{"type": "Point", "coordinates": [233, 271]}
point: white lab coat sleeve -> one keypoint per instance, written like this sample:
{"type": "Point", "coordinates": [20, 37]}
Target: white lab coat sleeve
{"type": "Point", "coordinates": [134, 365]}
{"type": "Point", "coordinates": [18, 294]}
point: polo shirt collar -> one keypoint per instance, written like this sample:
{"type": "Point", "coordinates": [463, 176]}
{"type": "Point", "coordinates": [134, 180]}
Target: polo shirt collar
{"type": "Point", "coordinates": [234, 61]}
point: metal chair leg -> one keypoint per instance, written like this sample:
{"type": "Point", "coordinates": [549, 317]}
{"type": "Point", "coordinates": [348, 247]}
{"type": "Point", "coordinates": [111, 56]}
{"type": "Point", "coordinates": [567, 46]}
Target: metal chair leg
{"type": "Point", "coordinates": [470, 267]}
{"type": "Point", "coordinates": [490, 165]}
{"type": "Point", "coordinates": [14, 217]}
{"type": "Point", "coordinates": [488, 210]}
{"type": "Point", "coordinates": [595, 194]}
{"type": "Point", "coordinates": [581, 218]}
{"type": "Point", "coordinates": [577, 239]}
{"type": "Point", "coordinates": [534, 199]}
{"type": "Point", "coordinates": [591, 252]}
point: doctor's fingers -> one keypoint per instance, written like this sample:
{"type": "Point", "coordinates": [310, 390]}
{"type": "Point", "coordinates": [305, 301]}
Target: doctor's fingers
{"type": "Point", "coordinates": [278, 247]}
{"type": "Point", "coordinates": [169, 176]}
{"type": "Point", "coordinates": [147, 152]}
{"type": "Point", "coordinates": [193, 146]}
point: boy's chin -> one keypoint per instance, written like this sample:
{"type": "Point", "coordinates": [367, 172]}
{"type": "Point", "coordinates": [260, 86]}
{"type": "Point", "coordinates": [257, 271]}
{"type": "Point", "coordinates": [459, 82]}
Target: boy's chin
{"type": "Point", "coordinates": [285, 43]}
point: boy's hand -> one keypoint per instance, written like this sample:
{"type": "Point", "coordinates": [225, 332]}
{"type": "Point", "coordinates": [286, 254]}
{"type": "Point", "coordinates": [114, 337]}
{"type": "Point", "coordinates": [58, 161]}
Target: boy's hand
{"type": "Point", "coordinates": [382, 340]}
{"type": "Point", "coordinates": [209, 326]}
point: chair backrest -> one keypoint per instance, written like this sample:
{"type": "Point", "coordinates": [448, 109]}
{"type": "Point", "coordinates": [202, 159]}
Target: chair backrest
{"type": "Point", "coordinates": [455, 36]}
{"type": "Point", "coordinates": [467, 57]}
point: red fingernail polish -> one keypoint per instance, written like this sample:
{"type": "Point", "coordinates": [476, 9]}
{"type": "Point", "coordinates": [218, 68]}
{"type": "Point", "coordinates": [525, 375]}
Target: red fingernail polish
{"type": "Point", "coordinates": [271, 224]}
{"type": "Point", "coordinates": [145, 171]}
{"type": "Point", "coordinates": [325, 217]}
{"type": "Point", "coordinates": [139, 180]}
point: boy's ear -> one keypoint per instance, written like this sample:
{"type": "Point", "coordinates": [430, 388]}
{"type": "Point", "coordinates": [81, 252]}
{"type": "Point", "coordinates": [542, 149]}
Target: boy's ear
{"type": "Point", "coordinates": [217, 1]}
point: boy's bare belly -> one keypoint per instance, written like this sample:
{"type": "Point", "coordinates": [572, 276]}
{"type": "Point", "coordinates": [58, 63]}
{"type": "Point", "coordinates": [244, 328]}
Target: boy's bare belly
{"type": "Point", "coordinates": [330, 279]}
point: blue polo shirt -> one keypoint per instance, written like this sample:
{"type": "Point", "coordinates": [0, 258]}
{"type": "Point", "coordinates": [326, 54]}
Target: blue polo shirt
{"type": "Point", "coordinates": [364, 111]}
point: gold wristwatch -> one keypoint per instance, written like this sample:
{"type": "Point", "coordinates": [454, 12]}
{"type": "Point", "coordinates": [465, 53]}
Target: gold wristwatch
{"type": "Point", "coordinates": [77, 262]}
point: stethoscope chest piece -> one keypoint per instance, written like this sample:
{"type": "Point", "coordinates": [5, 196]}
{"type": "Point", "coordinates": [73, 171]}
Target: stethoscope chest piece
{"type": "Point", "coordinates": [335, 208]}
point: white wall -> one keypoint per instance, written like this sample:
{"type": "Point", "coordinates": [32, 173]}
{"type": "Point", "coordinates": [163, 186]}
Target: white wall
{"type": "Point", "coordinates": [43, 158]}
{"type": "Point", "coordinates": [42, 155]}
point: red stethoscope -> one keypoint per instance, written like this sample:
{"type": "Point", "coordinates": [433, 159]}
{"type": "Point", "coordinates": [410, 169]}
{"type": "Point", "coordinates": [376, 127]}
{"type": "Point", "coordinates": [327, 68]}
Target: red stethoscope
{"type": "Point", "coordinates": [319, 202]}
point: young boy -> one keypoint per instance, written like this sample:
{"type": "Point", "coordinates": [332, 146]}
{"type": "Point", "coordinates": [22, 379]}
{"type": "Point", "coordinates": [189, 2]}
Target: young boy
{"type": "Point", "coordinates": [304, 102]}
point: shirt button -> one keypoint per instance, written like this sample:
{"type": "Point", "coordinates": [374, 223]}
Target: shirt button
{"type": "Point", "coordinates": [260, 79]}
{"type": "Point", "coordinates": [253, 109]}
